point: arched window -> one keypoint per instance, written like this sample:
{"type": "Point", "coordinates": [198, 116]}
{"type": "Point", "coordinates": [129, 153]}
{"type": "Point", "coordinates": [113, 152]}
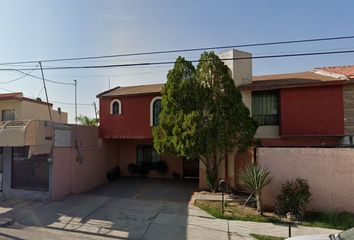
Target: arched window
{"type": "Point", "coordinates": [116, 107]}
{"type": "Point", "coordinates": [155, 109]}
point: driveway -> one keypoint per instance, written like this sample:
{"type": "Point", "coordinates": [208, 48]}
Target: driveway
{"type": "Point", "coordinates": [149, 189]}
{"type": "Point", "coordinates": [127, 209]}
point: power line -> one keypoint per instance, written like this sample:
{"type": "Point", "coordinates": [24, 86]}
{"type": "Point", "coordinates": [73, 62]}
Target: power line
{"type": "Point", "coordinates": [68, 103]}
{"type": "Point", "coordinates": [193, 61]}
{"type": "Point", "coordinates": [109, 75]}
{"type": "Point", "coordinates": [16, 79]}
{"type": "Point", "coordinates": [7, 90]}
{"type": "Point", "coordinates": [64, 103]}
{"type": "Point", "coordinates": [34, 76]}
{"type": "Point", "coordinates": [40, 92]}
{"type": "Point", "coordinates": [186, 50]}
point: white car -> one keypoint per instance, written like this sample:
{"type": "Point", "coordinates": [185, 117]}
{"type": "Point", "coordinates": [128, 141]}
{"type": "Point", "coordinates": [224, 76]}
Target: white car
{"type": "Point", "coordinates": [346, 235]}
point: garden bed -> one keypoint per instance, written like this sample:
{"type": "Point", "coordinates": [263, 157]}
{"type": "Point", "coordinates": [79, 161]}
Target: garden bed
{"type": "Point", "coordinates": [235, 211]}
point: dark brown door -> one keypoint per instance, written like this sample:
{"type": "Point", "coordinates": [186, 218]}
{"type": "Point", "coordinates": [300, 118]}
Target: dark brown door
{"type": "Point", "coordinates": [190, 168]}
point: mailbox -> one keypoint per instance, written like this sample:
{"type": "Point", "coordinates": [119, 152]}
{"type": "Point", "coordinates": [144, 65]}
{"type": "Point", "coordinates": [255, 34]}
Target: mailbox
{"type": "Point", "coordinates": [222, 189]}
{"type": "Point", "coordinates": [222, 186]}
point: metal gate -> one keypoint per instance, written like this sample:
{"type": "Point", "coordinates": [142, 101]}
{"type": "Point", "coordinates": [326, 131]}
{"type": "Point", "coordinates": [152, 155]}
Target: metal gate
{"type": "Point", "coordinates": [29, 173]}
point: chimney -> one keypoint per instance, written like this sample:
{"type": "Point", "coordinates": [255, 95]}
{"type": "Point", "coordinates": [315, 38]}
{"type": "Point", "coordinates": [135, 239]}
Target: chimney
{"type": "Point", "coordinates": [240, 69]}
{"type": "Point", "coordinates": [59, 110]}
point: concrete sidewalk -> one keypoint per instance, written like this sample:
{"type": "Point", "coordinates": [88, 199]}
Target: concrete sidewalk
{"type": "Point", "coordinates": [242, 229]}
{"type": "Point", "coordinates": [207, 227]}
{"type": "Point", "coordinates": [139, 219]}
{"type": "Point", "coordinates": [130, 210]}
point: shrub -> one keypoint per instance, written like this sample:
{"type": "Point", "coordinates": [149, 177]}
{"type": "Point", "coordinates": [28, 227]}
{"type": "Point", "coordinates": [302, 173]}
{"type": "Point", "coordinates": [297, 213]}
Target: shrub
{"type": "Point", "coordinates": [256, 178]}
{"type": "Point", "coordinates": [211, 179]}
{"type": "Point", "coordinates": [176, 175]}
{"type": "Point", "coordinates": [341, 220]}
{"type": "Point", "coordinates": [132, 168]}
{"type": "Point", "coordinates": [161, 167]}
{"type": "Point", "coordinates": [294, 197]}
{"type": "Point", "coordinates": [144, 168]}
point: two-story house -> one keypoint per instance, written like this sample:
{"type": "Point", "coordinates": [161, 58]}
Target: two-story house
{"type": "Point", "coordinates": [298, 109]}
{"type": "Point", "coordinates": [306, 109]}
{"type": "Point", "coordinates": [127, 115]}
{"type": "Point", "coordinates": [14, 106]}
{"type": "Point", "coordinates": [26, 144]}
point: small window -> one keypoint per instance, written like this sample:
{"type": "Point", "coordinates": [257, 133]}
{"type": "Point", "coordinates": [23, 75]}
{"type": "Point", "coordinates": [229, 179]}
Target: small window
{"type": "Point", "coordinates": [265, 107]}
{"type": "Point", "coordinates": [8, 115]}
{"type": "Point", "coordinates": [146, 153]}
{"type": "Point", "coordinates": [155, 111]}
{"type": "Point", "coordinates": [116, 107]}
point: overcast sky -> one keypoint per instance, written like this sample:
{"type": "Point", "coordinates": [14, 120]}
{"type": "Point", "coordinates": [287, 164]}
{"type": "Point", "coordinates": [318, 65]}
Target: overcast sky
{"type": "Point", "coordinates": [37, 30]}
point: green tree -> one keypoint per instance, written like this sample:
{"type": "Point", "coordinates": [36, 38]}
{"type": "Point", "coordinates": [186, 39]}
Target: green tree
{"type": "Point", "coordinates": [203, 115]}
{"type": "Point", "coordinates": [86, 121]}
{"type": "Point", "coordinates": [256, 178]}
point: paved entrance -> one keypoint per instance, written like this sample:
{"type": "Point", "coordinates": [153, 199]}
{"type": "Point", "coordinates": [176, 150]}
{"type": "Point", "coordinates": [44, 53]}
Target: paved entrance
{"type": "Point", "coordinates": [149, 189]}
{"type": "Point", "coordinates": [128, 209]}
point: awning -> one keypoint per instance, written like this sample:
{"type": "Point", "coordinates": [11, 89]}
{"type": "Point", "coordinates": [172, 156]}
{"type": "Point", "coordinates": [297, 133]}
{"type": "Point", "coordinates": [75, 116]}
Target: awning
{"type": "Point", "coordinates": [32, 133]}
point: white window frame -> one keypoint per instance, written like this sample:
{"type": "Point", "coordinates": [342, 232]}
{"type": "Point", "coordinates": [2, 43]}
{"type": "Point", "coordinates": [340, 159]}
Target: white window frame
{"type": "Point", "coordinates": [152, 109]}
{"type": "Point", "coordinates": [111, 106]}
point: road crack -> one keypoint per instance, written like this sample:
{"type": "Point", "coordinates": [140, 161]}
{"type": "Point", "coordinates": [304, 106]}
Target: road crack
{"type": "Point", "coordinates": [152, 220]}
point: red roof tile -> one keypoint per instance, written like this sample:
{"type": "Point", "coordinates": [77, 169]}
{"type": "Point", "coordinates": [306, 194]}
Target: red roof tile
{"type": "Point", "coordinates": [299, 76]}
{"type": "Point", "coordinates": [11, 95]}
{"type": "Point", "coordinates": [18, 96]}
{"type": "Point", "coordinates": [347, 71]}
{"type": "Point", "coordinates": [287, 80]}
{"type": "Point", "coordinates": [316, 77]}
{"type": "Point", "coordinates": [133, 90]}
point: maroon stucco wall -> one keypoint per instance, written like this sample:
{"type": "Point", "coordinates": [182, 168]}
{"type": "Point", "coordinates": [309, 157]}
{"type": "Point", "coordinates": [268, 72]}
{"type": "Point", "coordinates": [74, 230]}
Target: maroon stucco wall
{"type": "Point", "coordinates": [132, 123]}
{"type": "Point", "coordinates": [312, 111]}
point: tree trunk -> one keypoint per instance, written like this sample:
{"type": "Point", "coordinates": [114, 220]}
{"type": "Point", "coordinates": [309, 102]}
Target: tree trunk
{"type": "Point", "coordinates": [212, 174]}
{"type": "Point", "coordinates": [259, 203]}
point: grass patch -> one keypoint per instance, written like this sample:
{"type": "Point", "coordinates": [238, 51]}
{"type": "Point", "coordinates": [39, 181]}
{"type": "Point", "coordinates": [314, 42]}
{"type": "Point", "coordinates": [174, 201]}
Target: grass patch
{"type": "Point", "coordinates": [235, 211]}
{"type": "Point", "coordinates": [266, 237]}
{"type": "Point", "coordinates": [335, 220]}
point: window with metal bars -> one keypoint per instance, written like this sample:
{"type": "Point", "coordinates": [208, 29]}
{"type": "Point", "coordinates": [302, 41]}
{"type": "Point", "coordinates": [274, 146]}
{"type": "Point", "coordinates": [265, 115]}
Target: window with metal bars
{"type": "Point", "coordinates": [265, 107]}
{"type": "Point", "coordinates": [146, 153]}
{"type": "Point", "coordinates": [29, 173]}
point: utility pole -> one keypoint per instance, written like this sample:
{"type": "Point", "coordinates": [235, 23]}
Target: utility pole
{"type": "Point", "coordinates": [109, 83]}
{"type": "Point", "coordinates": [75, 84]}
{"type": "Point", "coordinates": [46, 93]}
{"type": "Point", "coordinates": [94, 105]}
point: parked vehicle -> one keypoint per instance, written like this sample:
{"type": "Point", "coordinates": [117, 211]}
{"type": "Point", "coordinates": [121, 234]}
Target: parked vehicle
{"type": "Point", "coordinates": [346, 235]}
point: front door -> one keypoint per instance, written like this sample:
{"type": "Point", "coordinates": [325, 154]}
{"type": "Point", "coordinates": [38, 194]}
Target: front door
{"type": "Point", "coordinates": [190, 168]}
